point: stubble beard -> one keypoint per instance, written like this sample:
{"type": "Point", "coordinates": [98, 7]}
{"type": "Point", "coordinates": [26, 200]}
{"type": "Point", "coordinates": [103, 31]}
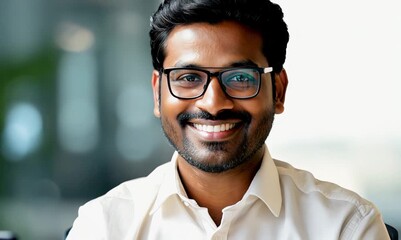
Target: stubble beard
{"type": "Point", "coordinates": [248, 147]}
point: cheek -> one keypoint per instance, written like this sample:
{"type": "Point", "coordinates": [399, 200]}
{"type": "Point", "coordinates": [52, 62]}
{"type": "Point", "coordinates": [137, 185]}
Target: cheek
{"type": "Point", "coordinates": [264, 100]}
{"type": "Point", "coordinates": [170, 106]}
{"type": "Point", "coordinates": [260, 109]}
{"type": "Point", "coordinates": [261, 103]}
{"type": "Point", "coordinates": [266, 91]}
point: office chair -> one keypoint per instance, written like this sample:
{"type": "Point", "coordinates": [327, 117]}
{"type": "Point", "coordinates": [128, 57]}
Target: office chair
{"type": "Point", "coordinates": [392, 232]}
{"type": "Point", "coordinates": [69, 229]}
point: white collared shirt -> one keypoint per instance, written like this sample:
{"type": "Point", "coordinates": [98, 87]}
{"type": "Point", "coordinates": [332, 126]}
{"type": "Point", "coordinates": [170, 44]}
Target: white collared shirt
{"type": "Point", "coordinates": [281, 203]}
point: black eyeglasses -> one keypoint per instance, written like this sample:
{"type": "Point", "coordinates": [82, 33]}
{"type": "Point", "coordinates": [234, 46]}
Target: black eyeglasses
{"type": "Point", "coordinates": [191, 82]}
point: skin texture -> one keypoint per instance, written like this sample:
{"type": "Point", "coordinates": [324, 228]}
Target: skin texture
{"type": "Point", "coordinates": [217, 168]}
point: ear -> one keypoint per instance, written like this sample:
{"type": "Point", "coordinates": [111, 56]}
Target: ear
{"type": "Point", "coordinates": [281, 81]}
{"type": "Point", "coordinates": [156, 93]}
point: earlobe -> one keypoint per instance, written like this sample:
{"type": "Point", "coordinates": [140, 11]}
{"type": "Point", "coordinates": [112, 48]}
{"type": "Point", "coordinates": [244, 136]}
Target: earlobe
{"type": "Point", "coordinates": [281, 81]}
{"type": "Point", "coordinates": [156, 93]}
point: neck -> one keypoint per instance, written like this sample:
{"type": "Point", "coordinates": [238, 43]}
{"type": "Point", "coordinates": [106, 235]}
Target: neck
{"type": "Point", "coordinates": [215, 191]}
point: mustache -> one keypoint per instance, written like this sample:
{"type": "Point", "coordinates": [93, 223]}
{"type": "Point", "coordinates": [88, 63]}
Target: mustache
{"type": "Point", "coordinates": [184, 117]}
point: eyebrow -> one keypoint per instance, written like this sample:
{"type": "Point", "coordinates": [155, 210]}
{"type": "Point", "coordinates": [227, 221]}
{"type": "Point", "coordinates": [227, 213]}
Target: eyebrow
{"type": "Point", "coordinates": [244, 63]}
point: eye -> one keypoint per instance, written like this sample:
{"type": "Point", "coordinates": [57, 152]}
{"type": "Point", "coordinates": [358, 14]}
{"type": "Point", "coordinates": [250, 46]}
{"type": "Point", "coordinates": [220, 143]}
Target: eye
{"type": "Point", "coordinates": [189, 78]}
{"type": "Point", "coordinates": [186, 79]}
{"type": "Point", "coordinates": [240, 80]}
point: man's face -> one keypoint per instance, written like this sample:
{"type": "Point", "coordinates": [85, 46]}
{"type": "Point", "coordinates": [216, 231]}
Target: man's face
{"type": "Point", "coordinates": [214, 132]}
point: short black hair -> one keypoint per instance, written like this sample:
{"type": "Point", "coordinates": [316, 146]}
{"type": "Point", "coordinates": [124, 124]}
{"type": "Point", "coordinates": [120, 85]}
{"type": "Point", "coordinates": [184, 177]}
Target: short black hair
{"type": "Point", "coordinates": [261, 15]}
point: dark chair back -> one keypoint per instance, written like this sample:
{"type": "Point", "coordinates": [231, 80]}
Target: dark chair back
{"type": "Point", "coordinates": [66, 233]}
{"type": "Point", "coordinates": [392, 232]}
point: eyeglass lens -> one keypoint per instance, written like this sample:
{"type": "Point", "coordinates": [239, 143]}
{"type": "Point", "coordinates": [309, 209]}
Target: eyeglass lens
{"type": "Point", "coordinates": [191, 83]}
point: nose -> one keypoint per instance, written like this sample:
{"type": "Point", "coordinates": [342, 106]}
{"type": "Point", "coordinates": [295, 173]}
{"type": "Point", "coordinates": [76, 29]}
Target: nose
{"type": "Point", "coordinates": [214, 100]}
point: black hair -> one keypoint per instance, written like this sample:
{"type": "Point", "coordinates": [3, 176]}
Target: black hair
{"type": "Point", "coordinates": [261, 15]}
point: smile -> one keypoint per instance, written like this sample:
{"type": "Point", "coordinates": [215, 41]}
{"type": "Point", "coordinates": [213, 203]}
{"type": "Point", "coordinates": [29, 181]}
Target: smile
{"type": "Point", "coordinates": [214, 128]}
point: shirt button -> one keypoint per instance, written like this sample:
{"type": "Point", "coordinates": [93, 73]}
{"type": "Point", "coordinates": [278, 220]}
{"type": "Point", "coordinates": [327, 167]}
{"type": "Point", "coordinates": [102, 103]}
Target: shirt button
{"type": "Point", "coordinates": [186, 204]}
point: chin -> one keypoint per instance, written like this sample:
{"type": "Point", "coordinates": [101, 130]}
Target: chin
{"type": "Point", "coordinates": [215, 157]}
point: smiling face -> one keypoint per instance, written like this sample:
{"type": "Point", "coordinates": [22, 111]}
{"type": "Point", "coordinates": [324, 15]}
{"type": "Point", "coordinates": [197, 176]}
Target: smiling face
{"type": "Point", "coordinates": [214, 132]}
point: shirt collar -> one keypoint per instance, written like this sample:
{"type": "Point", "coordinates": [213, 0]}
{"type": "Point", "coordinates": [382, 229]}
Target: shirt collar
{"type": "Point", "coordinates": [265, 185]}
{"type": "Point", "coordinates": [170, 186]}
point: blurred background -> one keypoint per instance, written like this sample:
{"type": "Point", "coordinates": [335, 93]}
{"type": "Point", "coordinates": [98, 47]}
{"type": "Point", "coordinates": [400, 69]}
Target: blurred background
{"type": "Point", "coordinates": [76, 110]}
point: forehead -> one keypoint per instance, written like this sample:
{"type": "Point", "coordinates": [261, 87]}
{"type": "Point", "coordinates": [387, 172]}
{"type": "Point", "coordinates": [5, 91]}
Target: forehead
{"type": "Point", "coordinates": [213, 45]}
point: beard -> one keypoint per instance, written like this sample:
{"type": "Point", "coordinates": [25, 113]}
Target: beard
{"type": "Point", "coordinates": [218, 157]}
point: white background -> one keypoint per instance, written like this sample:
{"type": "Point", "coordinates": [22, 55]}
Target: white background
{"type": "Point", "coordinates": [342, 119]}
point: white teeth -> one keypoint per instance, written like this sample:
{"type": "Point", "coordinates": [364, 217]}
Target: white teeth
{"type": "Point", "coordinates": [214, 128]}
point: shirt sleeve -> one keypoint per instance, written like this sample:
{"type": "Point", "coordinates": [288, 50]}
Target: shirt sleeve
{"type": "Point", "coordinates": [89, 224]}
{"type": "Point", "coordinates": [371, 227]}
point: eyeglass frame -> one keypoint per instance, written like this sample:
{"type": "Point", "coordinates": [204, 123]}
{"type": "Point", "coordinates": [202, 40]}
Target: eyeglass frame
{"type": "Point", "coordinates": [217, 74]}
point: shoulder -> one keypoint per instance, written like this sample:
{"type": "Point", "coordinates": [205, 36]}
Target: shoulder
{"type": "Point", "coordinates": [139, 188]}
{"type": "Point", "coordinates": [307, 184]}
{"type": "Point", "coordinates": [339, 212]}
{"type": "Point", "coordinates": [326, 202]}
{"type": "Point", "coordinates": [124, 206]}
{"type": "Point", "coordinates": [135, 195]}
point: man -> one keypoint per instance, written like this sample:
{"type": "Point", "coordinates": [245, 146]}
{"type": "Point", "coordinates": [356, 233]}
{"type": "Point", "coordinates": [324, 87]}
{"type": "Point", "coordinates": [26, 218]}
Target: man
{"type": "Point", "coordinates": [218, 81]}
